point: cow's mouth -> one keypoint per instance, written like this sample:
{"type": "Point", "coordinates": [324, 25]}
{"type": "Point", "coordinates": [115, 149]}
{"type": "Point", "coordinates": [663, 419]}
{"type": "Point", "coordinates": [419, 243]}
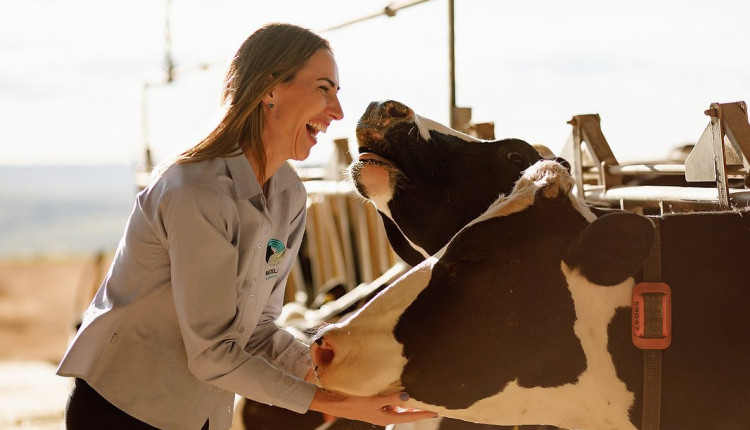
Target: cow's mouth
{"type": "Point", "coordinates": [374, 176]}
{"type": "Point", "coordinates": [368, 157]}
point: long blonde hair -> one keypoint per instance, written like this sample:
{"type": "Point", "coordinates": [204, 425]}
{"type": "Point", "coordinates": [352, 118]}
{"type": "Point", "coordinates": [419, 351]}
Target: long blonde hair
{"type": "Point", "coordinates": [272, 54]}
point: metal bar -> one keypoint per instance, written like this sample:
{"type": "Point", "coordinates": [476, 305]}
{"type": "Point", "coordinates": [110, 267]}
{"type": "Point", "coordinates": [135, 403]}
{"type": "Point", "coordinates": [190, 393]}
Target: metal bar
{"type": "Point", "coordinates": [575, 141]}
{"type": "Point", "coordinates": [720, 165]}
{"type": "Point", "coordinates": [389, 11]}
{"type": "Point", "coordinates": [328, 310]}
{"type": "Point", "coordinates": [571, 151]}
{"type": "Point", "coordinates": [452, 62]}
{"type": "Point", "coordinates": [664, 169]}
{"type": "Point", "coordinates": [168, 59]}
{"type": "Point", "coordinates": [652, 195]}
{"type": "Point", "coordinates": [737, 130]}
{"type": "Point", "coordinates": [657, 169]}
{"type": "Point", "coordinates": [587, 128]}
{"type": "Point", "coordinates": [594, 137]}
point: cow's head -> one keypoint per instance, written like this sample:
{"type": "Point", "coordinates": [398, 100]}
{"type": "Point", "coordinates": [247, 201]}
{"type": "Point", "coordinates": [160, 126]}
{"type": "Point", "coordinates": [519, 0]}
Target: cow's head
{"type": "Point", "coordinates": [508, 323]}
{"type": "Point", "coordinates": [427, 180]}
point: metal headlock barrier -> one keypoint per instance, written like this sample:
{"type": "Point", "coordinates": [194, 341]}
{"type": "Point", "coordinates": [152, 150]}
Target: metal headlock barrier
{"type": "Point", "coordinates": [346, 249]}
{"type": "Point", "coordinates": [713, 177]}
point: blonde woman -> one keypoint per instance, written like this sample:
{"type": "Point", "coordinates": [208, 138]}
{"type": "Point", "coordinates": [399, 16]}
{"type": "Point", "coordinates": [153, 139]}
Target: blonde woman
{"type": "Point", "coordinates": [186, 315]}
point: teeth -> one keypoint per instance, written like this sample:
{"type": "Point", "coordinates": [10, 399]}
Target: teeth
{"type": "Point", "coordinates": [318, 126]}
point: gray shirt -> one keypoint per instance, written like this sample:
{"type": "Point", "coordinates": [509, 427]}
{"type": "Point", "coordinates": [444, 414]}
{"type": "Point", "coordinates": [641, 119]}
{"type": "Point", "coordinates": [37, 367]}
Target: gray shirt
{"type": "Point", "coordinates": [186, 315]}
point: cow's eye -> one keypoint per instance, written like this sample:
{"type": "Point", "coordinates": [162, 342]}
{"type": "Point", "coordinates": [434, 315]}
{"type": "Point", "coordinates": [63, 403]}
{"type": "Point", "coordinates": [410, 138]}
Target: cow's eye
{"type": "Point", "coordinates": [516, 159]}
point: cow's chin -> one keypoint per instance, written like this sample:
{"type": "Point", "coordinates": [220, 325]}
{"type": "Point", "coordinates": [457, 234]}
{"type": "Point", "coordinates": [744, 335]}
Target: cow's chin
{"type": "Point", "coordinates": [366, 389]}
{"type": "Point", "coordinates": [375, 178]}
{"type": "Point", "coordinates": [371, 382]}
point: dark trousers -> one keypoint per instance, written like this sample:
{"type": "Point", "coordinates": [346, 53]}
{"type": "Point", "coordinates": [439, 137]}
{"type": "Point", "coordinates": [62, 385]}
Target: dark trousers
{"type": "Point", "coordinates": [88, 410]}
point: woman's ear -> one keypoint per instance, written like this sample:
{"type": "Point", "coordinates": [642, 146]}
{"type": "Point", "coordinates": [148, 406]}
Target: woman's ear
{"type": "Point", "coordinates": [269, 97]}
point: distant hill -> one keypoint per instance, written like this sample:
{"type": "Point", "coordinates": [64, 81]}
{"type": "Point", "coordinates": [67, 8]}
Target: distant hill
{"type": "Point", "coordinates": [63, 209]}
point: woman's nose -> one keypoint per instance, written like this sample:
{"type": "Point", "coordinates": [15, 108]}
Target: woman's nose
{"type": "Point", "coordinates": [334, 109]}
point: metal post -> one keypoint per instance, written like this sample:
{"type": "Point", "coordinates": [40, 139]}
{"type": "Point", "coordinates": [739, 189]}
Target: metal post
{"type": "Point", "coordinates": [149, 164]}
{"type": "Point", "coordinates": [168, 60]}
{"type": "Point", "coordinates": [452, 63]}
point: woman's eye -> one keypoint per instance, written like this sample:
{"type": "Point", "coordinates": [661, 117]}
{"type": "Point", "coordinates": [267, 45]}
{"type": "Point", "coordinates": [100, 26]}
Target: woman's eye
{"type": "Point", "coordinates": [324, 88]}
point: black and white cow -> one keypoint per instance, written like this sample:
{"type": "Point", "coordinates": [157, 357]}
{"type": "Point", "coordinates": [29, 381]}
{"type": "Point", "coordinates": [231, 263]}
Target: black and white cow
{"type": "Point", "coordinates": [524, 317]}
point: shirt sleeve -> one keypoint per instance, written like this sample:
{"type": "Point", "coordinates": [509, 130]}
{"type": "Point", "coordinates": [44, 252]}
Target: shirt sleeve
{"type": "Point", "coordinates": [198, 223]}
{"type": "Point", "coordinates": [268, 340]}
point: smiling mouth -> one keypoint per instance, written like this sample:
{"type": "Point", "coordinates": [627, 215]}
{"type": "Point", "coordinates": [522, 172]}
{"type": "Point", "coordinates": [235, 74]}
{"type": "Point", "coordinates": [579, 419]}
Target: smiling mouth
{"type": "Point", "coordinates": [313, 128]}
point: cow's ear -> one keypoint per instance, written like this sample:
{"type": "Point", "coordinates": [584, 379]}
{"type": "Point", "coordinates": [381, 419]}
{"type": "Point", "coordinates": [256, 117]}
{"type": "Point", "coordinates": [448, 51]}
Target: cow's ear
{"type": "Point", "coordinates": [612, 248]}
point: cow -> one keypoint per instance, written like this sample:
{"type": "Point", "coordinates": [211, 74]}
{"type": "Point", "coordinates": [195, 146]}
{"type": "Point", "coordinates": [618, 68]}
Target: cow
{"type": "Point", "coordinates": [524, 317]}
{"type": "Point", "coordinates": [395, 146]}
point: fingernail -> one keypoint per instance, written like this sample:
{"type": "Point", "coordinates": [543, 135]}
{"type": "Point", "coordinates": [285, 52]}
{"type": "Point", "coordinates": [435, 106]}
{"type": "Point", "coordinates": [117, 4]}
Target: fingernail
{"type": "Point", "coordinates": [404, 397]}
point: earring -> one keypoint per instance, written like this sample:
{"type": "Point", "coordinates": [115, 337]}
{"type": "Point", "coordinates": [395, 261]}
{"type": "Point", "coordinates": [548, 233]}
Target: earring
{"type": "Point", "coordinates": [271, 105]}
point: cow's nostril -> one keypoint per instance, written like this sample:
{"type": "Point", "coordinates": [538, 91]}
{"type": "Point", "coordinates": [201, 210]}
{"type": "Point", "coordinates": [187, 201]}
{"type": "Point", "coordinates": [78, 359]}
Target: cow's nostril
{"type": "Point", "coordinates": [564, 162]}
{"type": "Point", "coordinates": [323, 354]}
{"type": "Point", "coordinates": [396, 110]}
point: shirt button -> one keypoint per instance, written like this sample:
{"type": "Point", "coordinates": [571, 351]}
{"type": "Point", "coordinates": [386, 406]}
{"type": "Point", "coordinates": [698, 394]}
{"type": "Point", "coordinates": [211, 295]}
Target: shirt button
{"type": "Point", "coordinates": [260, 245]}
{"type": "Point", "coordinates": [252, 297]}
{"type": "Point", "coordinates": [241, 329]}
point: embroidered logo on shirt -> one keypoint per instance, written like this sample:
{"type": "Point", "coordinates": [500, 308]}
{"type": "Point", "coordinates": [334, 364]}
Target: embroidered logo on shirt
{"type": "Point", "coordinates": [274, 252]}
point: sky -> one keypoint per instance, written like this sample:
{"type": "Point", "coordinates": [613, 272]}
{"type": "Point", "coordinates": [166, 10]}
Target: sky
{"type": "Point", "coordinates": [73, 72]}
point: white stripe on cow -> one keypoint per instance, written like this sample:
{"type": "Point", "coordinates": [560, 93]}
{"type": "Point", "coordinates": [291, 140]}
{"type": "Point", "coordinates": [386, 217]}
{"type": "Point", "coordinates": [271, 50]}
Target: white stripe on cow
{"type": "Point", "coordinates": [425, 125]}
{"type": "Point", "coordinates": [599, 400]}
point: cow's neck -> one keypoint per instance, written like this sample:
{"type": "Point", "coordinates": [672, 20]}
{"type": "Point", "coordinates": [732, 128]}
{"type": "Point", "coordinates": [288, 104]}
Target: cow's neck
{"type": "Point", "coordinates": [595, 308]}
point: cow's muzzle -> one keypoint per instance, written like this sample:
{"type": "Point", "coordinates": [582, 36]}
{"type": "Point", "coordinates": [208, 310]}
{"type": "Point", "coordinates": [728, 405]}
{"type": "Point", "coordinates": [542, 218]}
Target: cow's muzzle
{"type": "Point", "coordinates": [322, 353]}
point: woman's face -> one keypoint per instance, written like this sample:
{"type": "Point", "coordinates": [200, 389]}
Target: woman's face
{"type": "Point", "coordinates": [303, 107]}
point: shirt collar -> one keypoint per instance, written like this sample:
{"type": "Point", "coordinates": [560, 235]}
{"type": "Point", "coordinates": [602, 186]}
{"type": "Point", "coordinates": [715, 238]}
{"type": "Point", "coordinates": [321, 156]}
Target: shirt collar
{"type": "Point", "coordinates": [245, 183]}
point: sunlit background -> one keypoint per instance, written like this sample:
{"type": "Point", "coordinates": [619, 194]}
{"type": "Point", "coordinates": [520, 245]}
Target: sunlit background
{"type": "Point", "coordinates": [83, 93]}
{"type": "Point", "coordinates": [72, 76]}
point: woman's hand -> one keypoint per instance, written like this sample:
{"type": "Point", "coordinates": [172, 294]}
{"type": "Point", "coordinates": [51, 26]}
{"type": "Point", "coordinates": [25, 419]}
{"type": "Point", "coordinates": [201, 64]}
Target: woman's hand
{"type": "Point", "coordinates": [378, 410]}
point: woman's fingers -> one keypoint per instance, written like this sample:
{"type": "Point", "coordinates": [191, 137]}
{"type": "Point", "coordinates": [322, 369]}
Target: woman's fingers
{"type": "Point", "coordinates": [407, 416]}
{"type": "Point", "coordinates": [398, 412]}
{"type": "Point", "coordinates": [380, 410]}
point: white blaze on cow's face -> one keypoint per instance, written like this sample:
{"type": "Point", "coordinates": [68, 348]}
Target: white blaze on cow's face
{"type": "Point", "coordinates": [426, 125]}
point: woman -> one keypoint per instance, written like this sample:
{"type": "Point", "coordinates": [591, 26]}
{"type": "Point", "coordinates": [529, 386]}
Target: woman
{"type": "Point", "coordinates": [185, 317]}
